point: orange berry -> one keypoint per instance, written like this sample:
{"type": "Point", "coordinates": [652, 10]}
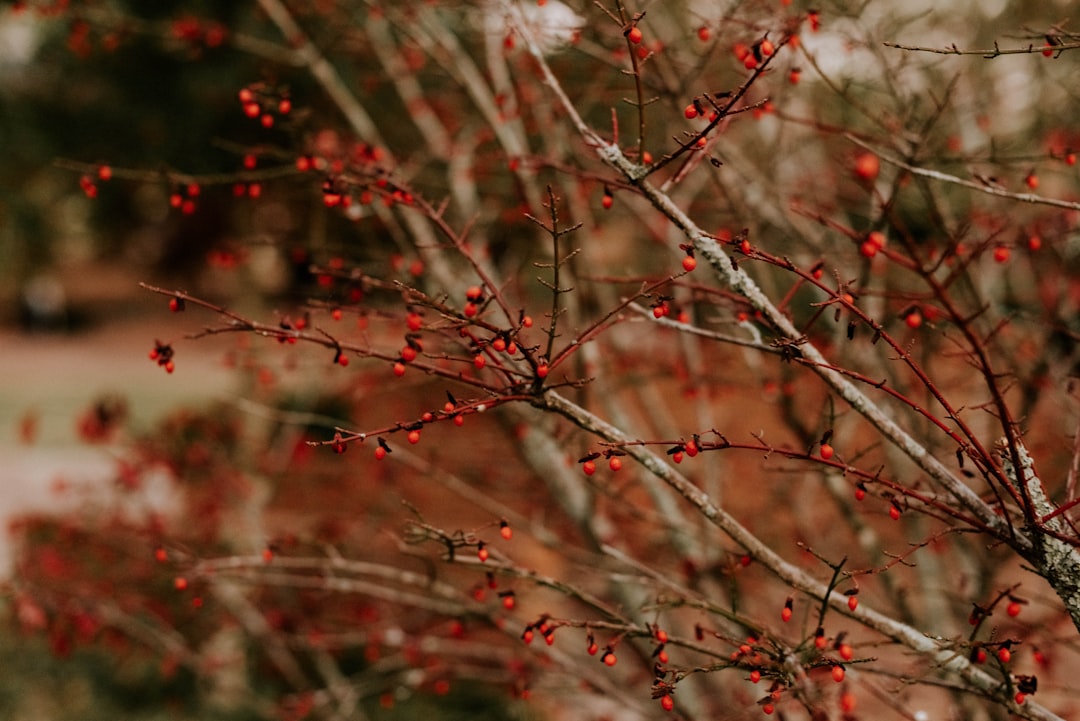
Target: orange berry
{"type": "Point", "coordinates": [689, 263]}
{"type": "Point", "coordinates": [767, 48]}
{"type": "Point", "coordinates": [635, 35]}
{"type": "Point", "coordinates": [846, 652]}
{"type": "Point", "coordinates": [615, 463]}
{"type": "Point", "coordinates": [609, 658]}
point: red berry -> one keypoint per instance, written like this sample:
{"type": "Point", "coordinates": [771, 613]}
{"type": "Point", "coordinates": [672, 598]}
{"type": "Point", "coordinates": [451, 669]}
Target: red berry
{"type": "Point", "coordinates": [1070, 159]}
{"type": "Point", "coordinates": [846, 652]}
{"type": "Point", "coordinates": [414, 437]}
{"type": "Point", "coordinates": [635, 35]}
{"type": "Point", "coordinates": [767, 709]}
{"type": "Point", "coordinates": [1001, 254]}
{"type": "Point", "coordinates": [380, 453]}
{"type": "Point", "coordinates": [285, 106]}
{"type": "Point", "coordinates": [980, 656]}
{"type": "Point", "coordinates": [343, 360]}
{"type": "Point", "coordinates": [479, 361]}
{"type": "Point", "coordinates": [704, 33]}
{"type": "Point", "coordinates": [399, 369]}
{"type": "Point", "coordinates": [913, 319]}
{"type": "Point", "coordinates": [867, 166]}
{"type": "Point", "coordinates": [267, 121]}
{"type": "Point", "coordinates": [614, 463]}
{"type": "Point", "coordinates": [838, 673]}
{"type": "Point", "coordinates": [852, 602]}
{"type": "Point", "coordinates": [677, 456]}
{"type": "Point", "coordinates": [607, 201]}
{"type": "Point", "coordinates": [408, 354]}
{"type": "Point", "coordinates": [542, 370]}
{"type": "Point", "coordinates": [785, 615]}
{"type": "Point", "coordinates": [169, 367]}
{"type": "Point", "coordinates": [1032, 180]}
{"type": "Point", "coordinates": [894, 511]}
{"type": "Point", "coordinates": [593, 648]}
{"type": "Point", "coordinates": [508, 600]}
{"type": "Point", "coordinates": [180, 583]}
{"type": "Point", "coordinates": [482, 553]}
{"type": "Point", "coordinates": [826, 451]}
{"type": "Point", "coordinates": [413, 321]}
{"type": "Point", "coordinates": [88, 187]}
{"type": "Point", "coordinates": [250, 161]}
{"type": "Point", "coordinates": [1013, 609]}
{"type": "Point", "coordinates": [1019, 697]}
{"type": "Point", "coordinates": [609, 658]}
{"type": "Point", "coordinates": [689, 263]}
{"type": "Point", "coordinates": [1004, 655]}
{"type": "Point", "coordinates": [588, 467]}
{"type": "Point", "coordinates": [161, 555]}
{"type": "Point", "coordinates": [860, 493]}
{"type": "Point", "coordinates": [755, 676]}
{"type": "Point", "coordinates": [104, 172]}
{"type": "Point", "coordinates": [690, 112]}
{"type": "Point", "coordinates": [767, 48]}
{"type": "Point", "coordinates": [666, 702]}
{"type": "Point", "coordinates": [505, 531]}
{"type": "Point", "coordinates": [1034, 243]}
{"type": "Point", "coordinates": [527, 635]}
{"type": "Point", "coordinates": [794, 75]}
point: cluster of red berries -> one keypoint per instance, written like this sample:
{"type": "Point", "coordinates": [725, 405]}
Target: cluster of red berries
{"type": "Point", "coordinates": [162, 353]}
{"type": "Point", "coordinates": [753, 55]}
{"type": "Point", "coordinates": [259, 102]}
{"type": "Point", "coordinates": [183, 198]}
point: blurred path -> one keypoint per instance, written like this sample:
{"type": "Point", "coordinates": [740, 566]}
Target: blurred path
{"type": "Point", "coordinates": [57, 377]}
